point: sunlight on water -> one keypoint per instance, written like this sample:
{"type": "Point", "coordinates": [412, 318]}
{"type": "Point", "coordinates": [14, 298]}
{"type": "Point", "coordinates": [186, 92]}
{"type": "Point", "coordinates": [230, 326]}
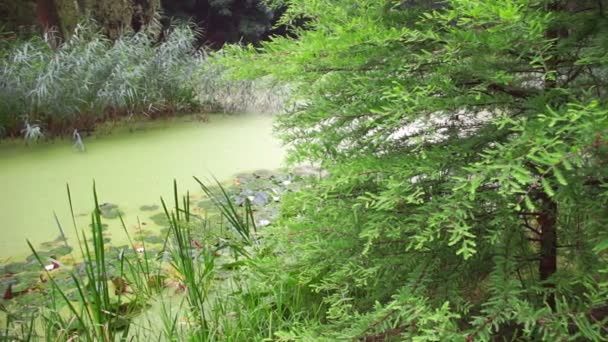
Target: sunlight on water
{"type": "Point", "coordinates": [130, 170]}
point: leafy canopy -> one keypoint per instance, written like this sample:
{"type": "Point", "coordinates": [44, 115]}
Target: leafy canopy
{"type": "Point", "coordinates": [466, 146]}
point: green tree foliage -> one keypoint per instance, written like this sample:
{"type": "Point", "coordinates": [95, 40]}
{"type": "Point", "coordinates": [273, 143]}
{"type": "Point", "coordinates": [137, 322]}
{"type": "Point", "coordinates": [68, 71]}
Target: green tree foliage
{"type": "Point", "coordinates": [224, 21]}
{"type": "Point", "coordinates": [63, 16]}
{"type": "Point", "coordinates": [114, 16]}
{"type": "Point", "coordinates": [16, 14]}
{"type": "Point", "coordinates": [466, 142]}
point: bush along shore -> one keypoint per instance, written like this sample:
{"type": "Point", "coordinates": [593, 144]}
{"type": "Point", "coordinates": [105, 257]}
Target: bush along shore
{"type": "Point", "coordinates": [48, 89]}
{"type": "Point", "coordinates": [90, 78]}
{"type": "Point", "coordinates": [99, 292]}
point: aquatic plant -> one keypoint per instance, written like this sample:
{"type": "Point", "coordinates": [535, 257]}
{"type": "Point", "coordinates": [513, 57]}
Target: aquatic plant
{"type": "Point", "coordinates": [243, 223]}
{"type": "Point", "coordinates": [99, 298]}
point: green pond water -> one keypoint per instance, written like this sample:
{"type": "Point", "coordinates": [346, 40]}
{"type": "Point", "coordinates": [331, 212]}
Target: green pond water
{"type": "Point", "coordinates": [132, 167]}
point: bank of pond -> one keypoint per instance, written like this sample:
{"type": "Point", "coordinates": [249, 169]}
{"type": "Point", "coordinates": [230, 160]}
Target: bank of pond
{"type": "Point", "coordinates": [117, 261]}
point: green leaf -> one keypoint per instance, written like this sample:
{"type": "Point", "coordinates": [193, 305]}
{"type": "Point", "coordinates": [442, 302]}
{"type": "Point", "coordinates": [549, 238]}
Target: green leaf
{"type": "Point", "coordinates": [559, 176]}
{"type": "Point", "coordinates": [547, 187]}
{"type": "Point", "coordinates": [529, 203]}
{"type": "Point", "coordinates": [601, 246]}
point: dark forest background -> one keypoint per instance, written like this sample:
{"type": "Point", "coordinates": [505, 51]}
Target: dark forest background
{"type": "Point", "coordinates": [221, 21]}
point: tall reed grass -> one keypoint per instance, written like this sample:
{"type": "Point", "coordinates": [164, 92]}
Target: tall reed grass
{"type": "Point", "coordinates": [261, 96]}
{"type": "Point", "coordinates": [90, 77]}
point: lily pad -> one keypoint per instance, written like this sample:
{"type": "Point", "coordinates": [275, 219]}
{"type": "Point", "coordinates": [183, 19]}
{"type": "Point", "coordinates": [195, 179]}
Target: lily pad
{"type": "Point", "coordinates": [264, 174]}
{"type": "Point", "coordinates": [106, 239]}
{"type": "Point", "coordinates": [261, 198]}
{"type": "Point", "coordinates": [104, 226]}
{"type": "Point", "coordinates": [42, 254]}
{"type": "Point", "coordinates": [26, 280]}
{"type": "Point", "coordinates": [61, 251]}
{"type": "Point", "coordinates": [105, 206]}
{"type": "Point", "coordinates": [154, 239]}
{"type": "Point", "coordinates": [160, 219]}
{"type": "Point", "coordinates": [17, 267]}
{"type": "Point", "coordinates": [240, 200]}
{"type": "Point", "coordinates": [110, 210]}
{"type": "Point", "coordinates": [206, 204]}
{"type": "Point", "coordinates": [51, 244]}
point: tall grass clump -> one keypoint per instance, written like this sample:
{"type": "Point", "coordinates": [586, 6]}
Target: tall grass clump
{"type": "Point", "coordinates": [197, 265]}
{"type": "Point", "coordinates": [96, 307]}
{"type": "Point", "coordinates": [90, 78]}
{"type": "Point", "coordinates": [219, 91]}
{"type": "Point", "coordinates": [95, 299]}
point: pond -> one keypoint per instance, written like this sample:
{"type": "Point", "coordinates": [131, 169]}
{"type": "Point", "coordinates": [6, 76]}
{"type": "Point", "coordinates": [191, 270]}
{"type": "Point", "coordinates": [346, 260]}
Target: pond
{"type": "Point", "coordinates": [131, 167]}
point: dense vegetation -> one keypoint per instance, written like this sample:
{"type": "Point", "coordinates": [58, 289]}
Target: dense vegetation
{"type": "Point", "coordinates": [48, 89]}
{"type": "Point", "coordinates": [96, 61]}
{"type": "Point", "coordinates": [466, 200]}
{"type": "Point", "coordinates": [226, 21]}
{"type": "Point", "coordinates": [223, 21]}
{"type": "Point", "coordinates": [90, 78]}
{"type": "Point", "coordinates": [466, 146]}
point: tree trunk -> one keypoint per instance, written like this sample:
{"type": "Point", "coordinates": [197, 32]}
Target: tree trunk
{"type": "Point", "coordinates": [47, 14]}
{"type": "Point", "coordinates": [547, 219]}
{"type": "Point", "coordinates": [68, 13]}
{"type": "Point", "coordinates": [547, 223]}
